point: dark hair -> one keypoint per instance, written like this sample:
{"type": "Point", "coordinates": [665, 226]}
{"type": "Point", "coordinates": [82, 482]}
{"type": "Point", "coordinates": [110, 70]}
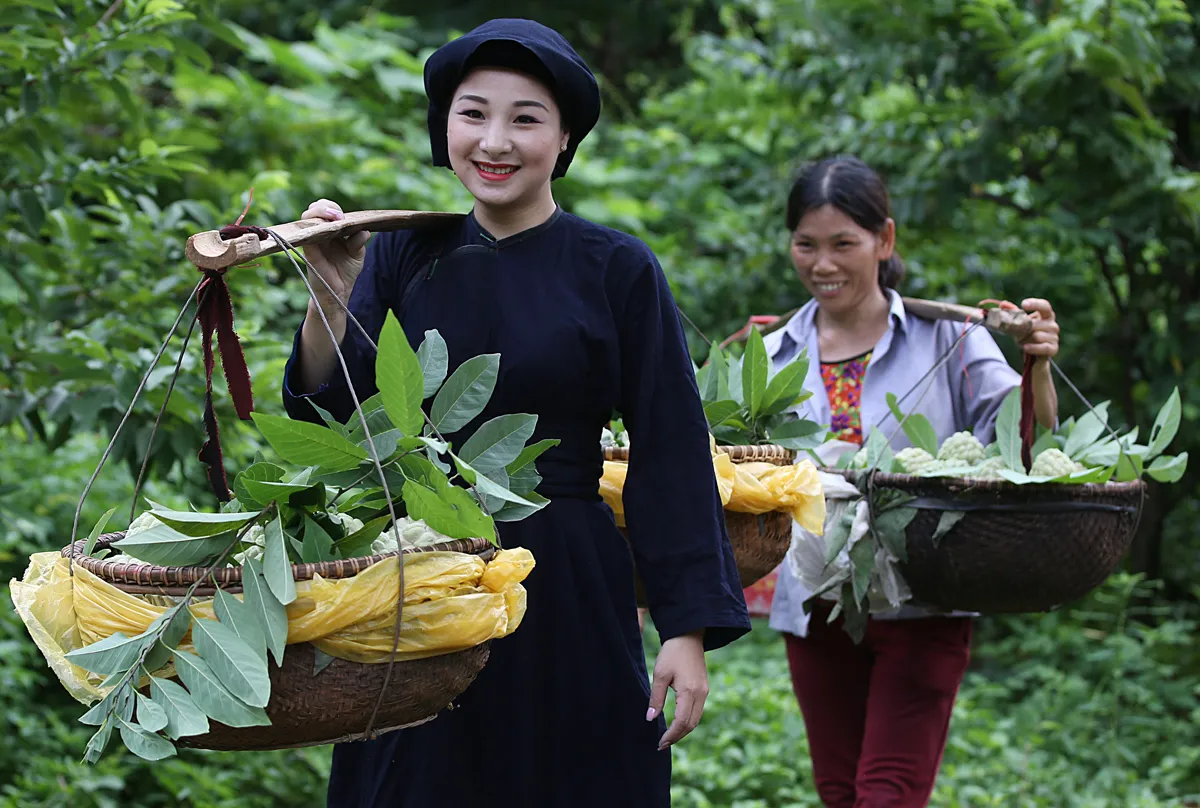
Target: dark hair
{"type": "Point", "coordinates": [851, 186]}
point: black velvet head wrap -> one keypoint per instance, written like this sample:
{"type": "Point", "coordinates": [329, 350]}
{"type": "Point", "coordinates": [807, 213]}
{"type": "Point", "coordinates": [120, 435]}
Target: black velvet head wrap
{"type": "Point", "coordinates": [523, 45]}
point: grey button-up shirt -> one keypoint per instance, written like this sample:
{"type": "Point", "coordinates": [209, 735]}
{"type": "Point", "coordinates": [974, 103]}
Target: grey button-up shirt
{"type": "Point", "coordinates": [965, 393]}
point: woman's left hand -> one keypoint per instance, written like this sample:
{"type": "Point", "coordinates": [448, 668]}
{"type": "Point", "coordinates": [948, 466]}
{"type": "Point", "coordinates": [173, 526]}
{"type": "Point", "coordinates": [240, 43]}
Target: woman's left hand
{"type": "Point", "coordinates": [1042, 342]}
{"type": "Point", "coordinates": [680, 666]}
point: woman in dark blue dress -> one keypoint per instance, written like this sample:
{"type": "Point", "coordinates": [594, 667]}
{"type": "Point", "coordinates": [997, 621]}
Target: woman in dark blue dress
{"type": "Point", "coordinates": [564, 714]}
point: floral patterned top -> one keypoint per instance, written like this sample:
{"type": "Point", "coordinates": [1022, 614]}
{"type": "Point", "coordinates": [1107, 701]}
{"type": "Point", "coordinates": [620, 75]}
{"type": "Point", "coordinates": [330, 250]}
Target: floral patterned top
{"type": "Point", "coordinates": [843, 385]}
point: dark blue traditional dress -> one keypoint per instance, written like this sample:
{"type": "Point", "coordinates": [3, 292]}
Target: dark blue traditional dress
{"type": "Point", "coordinates": [585, 323]}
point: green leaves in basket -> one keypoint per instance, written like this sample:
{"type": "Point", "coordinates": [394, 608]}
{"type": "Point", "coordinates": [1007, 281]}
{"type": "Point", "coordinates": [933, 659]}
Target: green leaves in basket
{"type": "Point", "coordinates": [400, 378]}
{"type": "Point", "coordinates": [257, 472]}
{"type": "Point", "coordinates": [465, 393]}
{"type": "Point", "coordinates": [236, 665]}
{"type": "Point", "coordinates": [277, 566]}
{"type": "Point", "coordinates": [1168, 469]}
{"type": "Point", "coordinates": [1090, 427]}
{"type": "Point", "coordinates": [145, 745]}
{"type": "Point", "coordinates": [917, 428]}
{"type": "Point", "coordinates": [754, 373]}
{"type": "Point", "coordinates": [1166, 424]}
{"type": "Point", "coordinates": [238, 616]}
{"type": "Point", "coordinates": [799, 434]}
{"type": "Point", "coordinates": [200, 525]}
{"type": "Point", "coordinates": [448, 509]}
{"type": "Point", "coordinates": [307, 444]}
{"type": "Point", "coordinates": [879, 451]}
{"type": "Point", "coordinates": [164, 545]}
{"type": "Point", "coordinates": [184, 718]}
{"type": "Point", "coordinates": [113, 654]}
{"type": "Point", "coordinates": [746, 402]}
{"type": "Point", "coordinates": [266, 607]}
{"type": "Point", "coordinates": [434, 358]}
{"type": "Point", "coordinates": [1008, 431]}
{"type": "Point", "coordinates": [211, 696]}
{"type": "Point", "coordinates": [498, 442]}
{"type": "Point", "coordinates": [97, 529]}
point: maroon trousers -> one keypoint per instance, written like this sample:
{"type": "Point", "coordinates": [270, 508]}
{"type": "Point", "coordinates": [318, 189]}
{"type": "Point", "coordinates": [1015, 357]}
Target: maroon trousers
{"type": "Point", "coordinates": [877, 713]}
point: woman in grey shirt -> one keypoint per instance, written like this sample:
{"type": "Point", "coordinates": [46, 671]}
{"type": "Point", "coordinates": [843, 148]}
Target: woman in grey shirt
{"type": "Point", "coordinates": [877, 713]}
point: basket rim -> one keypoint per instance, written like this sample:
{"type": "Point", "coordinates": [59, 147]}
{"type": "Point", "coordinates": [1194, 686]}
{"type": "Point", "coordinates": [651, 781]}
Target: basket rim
{"type": "Point", "coordinates": [741, 453]}
{"type": "Point", "coordinates": [115, 571]}
{"type": "Point", "coordinates": [891, 480]}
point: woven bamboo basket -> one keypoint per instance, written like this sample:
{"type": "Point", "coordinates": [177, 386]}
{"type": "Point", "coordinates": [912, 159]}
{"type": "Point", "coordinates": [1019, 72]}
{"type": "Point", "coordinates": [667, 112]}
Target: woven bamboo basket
{"type": "Point", "coordinates": [1018, 548]}
{"type": "Point", "coordinates": [335, 705]}
{"type": "Point", "coordinates": [760, 541]}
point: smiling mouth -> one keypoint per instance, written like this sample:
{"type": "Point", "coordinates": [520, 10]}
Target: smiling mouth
{"type": "Point", "coordinates": [495, 172]}
{"type": "Point", "coordinates": [829, 287]}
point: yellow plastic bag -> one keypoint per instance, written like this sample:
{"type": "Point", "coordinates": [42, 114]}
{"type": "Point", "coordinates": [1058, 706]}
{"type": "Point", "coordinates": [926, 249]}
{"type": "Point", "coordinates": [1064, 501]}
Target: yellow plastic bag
{"type": "Point", "coordinates": [452, 601]}
{"type": "Point", "coordinates": [745, 488]}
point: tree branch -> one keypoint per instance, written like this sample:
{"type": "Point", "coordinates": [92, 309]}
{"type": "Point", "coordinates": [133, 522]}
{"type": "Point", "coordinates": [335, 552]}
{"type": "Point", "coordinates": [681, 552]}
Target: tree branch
{"type": "Point", "coordinates": [1111, 281]}
{"type": "Point", "coordinates": [1004, 201]}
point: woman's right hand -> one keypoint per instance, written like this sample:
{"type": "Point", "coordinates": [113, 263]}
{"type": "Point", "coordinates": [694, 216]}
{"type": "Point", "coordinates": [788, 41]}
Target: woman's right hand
{"type": "Point", "coordinates": [338, 262]}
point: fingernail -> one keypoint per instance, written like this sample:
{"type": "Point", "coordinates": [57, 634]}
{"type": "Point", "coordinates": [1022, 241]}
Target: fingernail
{"type": "Point", "coordinates": [650, 714]}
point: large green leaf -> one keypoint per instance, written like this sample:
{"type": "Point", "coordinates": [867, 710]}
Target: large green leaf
{"type": "Point", "coordinates": [917, 428]}
{"type": "Point", "coordinates": [492, 488]}
{"type": "Point", "coordinates": [529, 454]}
{"type": "Point", "coordinates": [145, 745]}
{"type": "Point", "coordinates": [498, 442]}
{"type": "Point", "coordinates": [236, 665]}
{"type": "Point", "coordinates": [450, 510]}
{"type": "Point", "coordinates": [262, 603]}
{"type": "Point", "coordinates": [359, 542]}
{"type": "Point", "coordinates": [150, 716]}
{"type": "Point", "coordinates": [180, 622]}
{"type": "Point", "coordinates": [259, 472]}
{"type": "Point", "coordinates": [318, 545]}
{"type": "Point", "coordinates": [512, 512]}
{"type": "Point", "coordinates": [1008, 430]}
{"type": "Point", "coordinates": [400, 379]}
{"type": "Point", "coordinates": [879, 451]}
{"type": "Point", "coordinates": [715, 412]}
{"type": "Point", "coordinates": [785, 387]}
{"type": "Point", "coordinates": [377, 420]}
{"type": "Point", "coordinates": [234, 613]}
{"type": "Point", "coordinates": [212, 697]}
{"type": "Point", "coordinates": [1087, 430]}
{"type": "Point", "coordinates": [1166, 469]}
{"type": "Point", "coordinates": [97, 529]}
{"type": "Point", "coordinates": [798, 434]}
{"type": "Point", "coordinates": [434, 357]}
{"type": "Point", "coordinates": [162, 544]}
{"type": "Point", "coordinates": [113, 654]}
{"type": "Point", "coordinates": [465, 393]}
{"type": "Point", "coordinates": [754, 373]}
{"type": "Point", "coordinates": [1166, 424]}
{"type": "Point", "coordinates": [192, 523]}
{"type": "Point", "coordinates": [184, 718]}
{"type": "Point", "coordinates": [308, 444]}
{"type": "Point", "coordinates": [277, 566]}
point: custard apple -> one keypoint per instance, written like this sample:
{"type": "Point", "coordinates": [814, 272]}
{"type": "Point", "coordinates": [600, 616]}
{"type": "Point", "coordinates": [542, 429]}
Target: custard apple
{"type": "Point", "coordinates": [961, 449]}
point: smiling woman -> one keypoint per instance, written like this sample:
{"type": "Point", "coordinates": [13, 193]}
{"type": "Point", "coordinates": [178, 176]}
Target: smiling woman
{"type": "Point", "coordinates": [584, 323]}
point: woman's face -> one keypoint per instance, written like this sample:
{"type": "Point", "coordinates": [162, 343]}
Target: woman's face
{"type": "Point", "coordinates": [504, 135]}
{"type": "Point", "coordinates": [838, 260]}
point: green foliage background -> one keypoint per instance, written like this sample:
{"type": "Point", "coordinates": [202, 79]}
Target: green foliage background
{"type": "Point", "coordinates": [1033, 148]}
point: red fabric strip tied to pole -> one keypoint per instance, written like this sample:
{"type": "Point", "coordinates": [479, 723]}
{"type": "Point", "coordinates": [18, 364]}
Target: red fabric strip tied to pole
{"type": "Point", "coordinates": [216, 314]}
